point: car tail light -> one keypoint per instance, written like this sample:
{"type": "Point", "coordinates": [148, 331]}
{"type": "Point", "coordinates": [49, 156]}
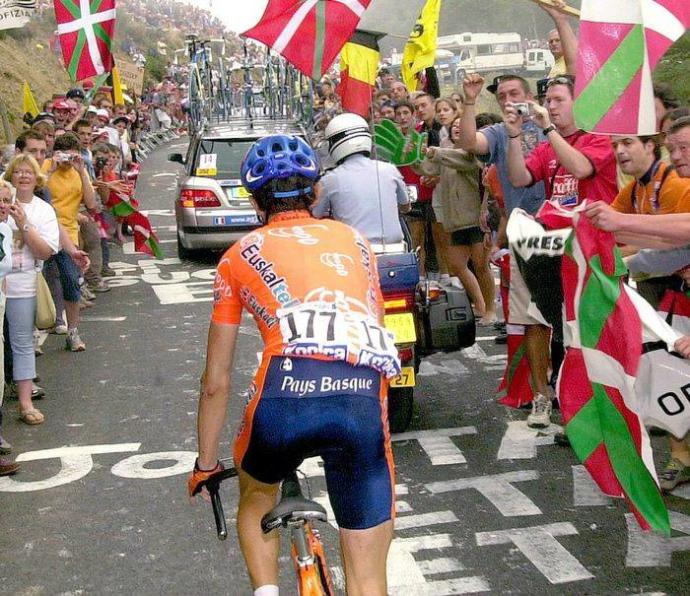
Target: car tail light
{"type": "Point", "coordinates": [199, 198]}
{"type": "Point", "coordinates": [402, 302]}
{"type": "Point", "coordinates": [405, 354]}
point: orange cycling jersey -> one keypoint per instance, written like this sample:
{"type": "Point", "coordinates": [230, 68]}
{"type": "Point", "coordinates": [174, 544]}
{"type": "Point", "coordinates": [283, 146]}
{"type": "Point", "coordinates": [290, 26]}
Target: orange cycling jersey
{"type": "Point", "coordinates": [312, 287]}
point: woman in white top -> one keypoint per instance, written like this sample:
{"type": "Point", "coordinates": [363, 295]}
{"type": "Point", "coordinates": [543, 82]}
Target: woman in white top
{"type": "Point", "coordinates": [6, 199]}
{"type": "Point", "coordinates": [35, 238]}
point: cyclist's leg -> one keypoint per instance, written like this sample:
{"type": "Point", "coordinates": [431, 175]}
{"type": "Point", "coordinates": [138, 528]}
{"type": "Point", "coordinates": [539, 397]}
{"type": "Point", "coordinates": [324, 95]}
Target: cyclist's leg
{"type": "Point", "coordinates": [364, 559]}
{"type": "Point", "coordinates": [260, 550]}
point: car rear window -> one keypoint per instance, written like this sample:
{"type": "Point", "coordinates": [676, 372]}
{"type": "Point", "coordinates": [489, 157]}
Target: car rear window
{"type": "Point", "coordinates": [228, 156]}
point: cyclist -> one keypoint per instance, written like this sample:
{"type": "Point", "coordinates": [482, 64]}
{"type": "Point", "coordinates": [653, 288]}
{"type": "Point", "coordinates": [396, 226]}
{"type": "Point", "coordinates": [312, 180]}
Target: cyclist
{"type": "Point", "coordinates": [361, 192]}
{"type": "Point", "coordinates": [313, 290]}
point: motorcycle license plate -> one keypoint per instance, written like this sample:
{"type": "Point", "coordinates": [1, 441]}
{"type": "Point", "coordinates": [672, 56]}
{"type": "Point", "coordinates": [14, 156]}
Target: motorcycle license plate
{"type": "Point", "coordinates": [405, 378]}
{"type": "Point", "coordinates": [402, 327]}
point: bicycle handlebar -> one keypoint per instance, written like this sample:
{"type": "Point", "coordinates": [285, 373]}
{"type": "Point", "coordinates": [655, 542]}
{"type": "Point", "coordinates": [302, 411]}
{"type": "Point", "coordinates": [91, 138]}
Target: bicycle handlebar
{"type": "Point", "coordinates": [213, 485]}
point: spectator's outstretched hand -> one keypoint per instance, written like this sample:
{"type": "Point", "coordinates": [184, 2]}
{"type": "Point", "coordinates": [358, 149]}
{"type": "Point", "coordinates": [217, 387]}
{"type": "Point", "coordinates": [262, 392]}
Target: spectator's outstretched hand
{"type": "Point", "coordinates": [604, 217]}
{"type": "Point", "coordinates": [682, 346]}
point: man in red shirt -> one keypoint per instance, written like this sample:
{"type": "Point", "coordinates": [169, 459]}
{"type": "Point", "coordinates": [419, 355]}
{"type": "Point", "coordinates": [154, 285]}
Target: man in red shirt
{"type": "Point", "coordinates": [574, 165]}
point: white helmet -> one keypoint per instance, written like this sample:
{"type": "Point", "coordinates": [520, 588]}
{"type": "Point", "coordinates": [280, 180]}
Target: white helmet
{"type": "Point", "coordinates": [347, 134]}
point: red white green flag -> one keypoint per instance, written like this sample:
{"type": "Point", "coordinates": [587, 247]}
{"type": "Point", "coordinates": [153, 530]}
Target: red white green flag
{"type": "Point", "coordinates": [86, 29]}
{"type": "Point", "coordinates": [145, 239]}
{"type": "Point", "coordinates": [606, 325]}
{"type": "Point", "coordinates": [308, 33]}
{"type": "Point", "coordinates": [620, 44]}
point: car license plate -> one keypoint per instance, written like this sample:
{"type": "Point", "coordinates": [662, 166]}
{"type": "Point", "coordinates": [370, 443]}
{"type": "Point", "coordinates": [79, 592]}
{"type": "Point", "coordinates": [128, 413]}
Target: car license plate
{"type": "Point", "coordinates": [402, 327]}
{"type": "Point", "coordinates": [239, 192]}
{"type": "Point", "coordinates": [242, 220]}
{"type": "Point", "coordinates": [405, 378]}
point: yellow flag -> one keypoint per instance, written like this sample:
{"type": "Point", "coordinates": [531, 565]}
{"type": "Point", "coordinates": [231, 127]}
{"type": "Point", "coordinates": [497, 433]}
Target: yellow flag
{"type": "Point", "coordinates": [117, 87]}
{"type": "Point", "coordinates": [28, 102]}
{"type": "Point", "coordinates": [420, 50]}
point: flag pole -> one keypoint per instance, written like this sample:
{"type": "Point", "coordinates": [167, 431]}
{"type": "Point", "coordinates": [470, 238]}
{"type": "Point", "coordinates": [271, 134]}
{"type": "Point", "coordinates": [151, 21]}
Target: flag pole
{"type": "Point", "coordinates": [569, 10]}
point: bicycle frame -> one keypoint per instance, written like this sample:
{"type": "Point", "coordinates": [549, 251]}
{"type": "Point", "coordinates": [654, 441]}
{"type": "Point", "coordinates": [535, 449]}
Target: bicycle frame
{"type": "Point", "coordinates": [307, 552]}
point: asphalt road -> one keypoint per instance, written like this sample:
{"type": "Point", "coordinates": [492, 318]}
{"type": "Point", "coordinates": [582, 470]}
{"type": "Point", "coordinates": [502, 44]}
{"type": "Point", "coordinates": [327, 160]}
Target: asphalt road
{"type": "Point", "coordinates": [99, 507]}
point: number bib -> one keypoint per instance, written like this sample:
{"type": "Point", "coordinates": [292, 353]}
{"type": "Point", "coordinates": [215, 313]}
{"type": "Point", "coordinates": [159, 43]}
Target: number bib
{"type": "Point", "coordinates": [325, 328]}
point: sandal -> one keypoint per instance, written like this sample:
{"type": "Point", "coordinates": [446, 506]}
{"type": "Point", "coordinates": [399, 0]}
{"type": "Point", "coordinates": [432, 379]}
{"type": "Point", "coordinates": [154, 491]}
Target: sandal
{"type": "Point", "coordinates": [31, 417]}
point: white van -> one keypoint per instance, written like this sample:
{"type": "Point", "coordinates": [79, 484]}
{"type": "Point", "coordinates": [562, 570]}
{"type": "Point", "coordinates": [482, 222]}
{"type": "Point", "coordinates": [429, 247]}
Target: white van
{"type": "Point", "coordinates": [485, 52]}
{"type": "Point", "coordinates": [539, 61]}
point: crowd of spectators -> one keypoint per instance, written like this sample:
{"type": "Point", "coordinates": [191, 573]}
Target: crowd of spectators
{"type": "Point", "coordinates": [58, 184]}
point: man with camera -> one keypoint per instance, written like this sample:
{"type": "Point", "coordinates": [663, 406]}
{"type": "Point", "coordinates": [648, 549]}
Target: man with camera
{"type": "Point", "coordinates": [70, 187]}
{"type": "Point", "coordinates": [573, 165]}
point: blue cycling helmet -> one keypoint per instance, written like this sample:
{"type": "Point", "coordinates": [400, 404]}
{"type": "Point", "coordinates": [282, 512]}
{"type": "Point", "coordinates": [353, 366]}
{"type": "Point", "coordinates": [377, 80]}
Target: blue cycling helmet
{"type": "Point", "coordinates": [279, 157]}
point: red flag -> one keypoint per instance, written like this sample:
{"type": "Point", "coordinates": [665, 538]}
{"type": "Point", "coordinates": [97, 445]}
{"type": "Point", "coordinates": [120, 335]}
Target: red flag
{"type": "Point", "coordinates": [308, 33]}
{"type": "Point", "coordinates": [86, 29]}
{"type": "Point", "coordinates": [145, 239]}
{"type": "Point", "coordinates": [359, 61]}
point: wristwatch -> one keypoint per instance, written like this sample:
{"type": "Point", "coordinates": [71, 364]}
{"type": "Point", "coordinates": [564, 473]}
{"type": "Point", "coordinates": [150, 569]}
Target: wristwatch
{"type": "Point", "coordinates": [548, 129]}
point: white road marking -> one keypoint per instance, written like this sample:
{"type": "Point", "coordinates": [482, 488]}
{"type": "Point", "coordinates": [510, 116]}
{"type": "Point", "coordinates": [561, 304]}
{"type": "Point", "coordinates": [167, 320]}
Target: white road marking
{"type": "Point", "coordinates": [445, 367]}
{"type": "Point", "coordinates": [135, 466]}
{"type": "Point", "coordinates": [75, 463]}
{"type": "Point", "coordinates": [650, 549]}
{"type": "Point", "coordinates": [423, 520]}
{"type": "Point", "coordinates": [539, 545]}
{"type": "Point", "coordinates": [497, 489]}
{"type": "Point", "coordinates": [442, 565]}
{"type": "Point", "coordinates": [586, 493]}
{"type": "Point", "coordinates": [92, 319]}
{"type": "Point", "coordinates": [184, 293]}
{"type": "Point", "coordinates": [437, 444]}
{"type": "Point", "coordinates": [521, 442]}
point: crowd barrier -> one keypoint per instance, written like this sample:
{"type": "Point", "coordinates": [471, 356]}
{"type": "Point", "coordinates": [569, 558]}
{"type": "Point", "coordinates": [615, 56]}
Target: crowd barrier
{"type": "Point", "coordinates": [149, 141]}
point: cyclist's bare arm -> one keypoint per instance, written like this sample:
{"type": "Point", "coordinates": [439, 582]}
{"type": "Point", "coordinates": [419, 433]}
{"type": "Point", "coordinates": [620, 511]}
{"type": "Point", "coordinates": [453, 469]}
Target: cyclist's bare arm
{"type": "Point", "coordinates": [215, 391]}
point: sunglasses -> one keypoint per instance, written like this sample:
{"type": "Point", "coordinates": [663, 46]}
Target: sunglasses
{"type": "Point", "coordinates": [563, 80]}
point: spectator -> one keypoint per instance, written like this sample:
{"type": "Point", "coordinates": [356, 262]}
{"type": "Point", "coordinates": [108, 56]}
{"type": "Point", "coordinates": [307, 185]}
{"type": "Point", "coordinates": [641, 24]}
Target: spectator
{"type": "Point", "coordinates": [573, 165]}
{"type": "Point", "coordinates": [562, 42]}
{"type": "Point", "coordinates": [458, 209]}
{"type": "Point", "coordinates": [48, 132]}
{"type": "Point", "coordinates": [36, 238]}
{"type": "Point", "coordinates": [7, 467]}
{"type": "Point", "coordinates": [399, 92]}
{"type": "Point", "coordinates": [70, 187]}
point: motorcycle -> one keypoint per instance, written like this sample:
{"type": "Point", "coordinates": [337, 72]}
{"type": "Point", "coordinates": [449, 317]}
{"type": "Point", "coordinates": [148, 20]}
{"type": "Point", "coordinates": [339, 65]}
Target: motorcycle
{"type": "Point", "coordinates": [425, 317]}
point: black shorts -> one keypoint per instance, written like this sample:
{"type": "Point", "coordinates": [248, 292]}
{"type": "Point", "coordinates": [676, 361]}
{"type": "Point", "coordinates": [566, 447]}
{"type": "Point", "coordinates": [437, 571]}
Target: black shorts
{"type": "Point", "coordinates": [467, 236]}
{"type": "Point", "coordinates": [421, 211]}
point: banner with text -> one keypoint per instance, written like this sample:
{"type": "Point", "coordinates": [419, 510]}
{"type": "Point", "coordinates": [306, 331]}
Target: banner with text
{"type": "Point", "coordinates": [16, 13]}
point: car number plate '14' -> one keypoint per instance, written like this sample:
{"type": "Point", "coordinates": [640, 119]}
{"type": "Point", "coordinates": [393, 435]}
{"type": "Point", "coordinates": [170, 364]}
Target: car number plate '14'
{"type": "Point", "coordinates": [402, 327]}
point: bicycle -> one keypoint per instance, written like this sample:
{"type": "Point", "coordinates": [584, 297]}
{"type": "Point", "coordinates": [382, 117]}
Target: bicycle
{"type": "Point", "coordinates": [297, 513]}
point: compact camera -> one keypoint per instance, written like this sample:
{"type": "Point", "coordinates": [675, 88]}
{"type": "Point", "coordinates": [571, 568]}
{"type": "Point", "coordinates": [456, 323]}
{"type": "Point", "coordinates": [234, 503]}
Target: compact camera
{"type": "Point", "coordinates": [523, 109]}
{"type": "Point", "coordinates": [61, 157]}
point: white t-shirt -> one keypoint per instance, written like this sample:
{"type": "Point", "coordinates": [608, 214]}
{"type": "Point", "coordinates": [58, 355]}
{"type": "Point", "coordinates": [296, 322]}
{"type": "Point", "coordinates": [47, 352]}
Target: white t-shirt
{"type": "Point", "coordinates": [21, 282]}
{"type": "Point", "coordinates": [6, 261]}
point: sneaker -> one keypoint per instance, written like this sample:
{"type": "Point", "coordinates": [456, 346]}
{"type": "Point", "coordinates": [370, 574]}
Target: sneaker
{"type": "Point", "coordinates": [675, 473]}
{"type": "Point", "coordinates": [8, 467]}
{"type": "Point", "coordinates": [37, 392]}
{"type": "Point", "coordinates": [59, 329]}
{"type": "Point", "coordinates": [84, 303]}
{"type": "Point", "coordinates": [540, 417]}
{"type": "Point", "coordinates": [107, 272]}
{"type": "Point", "coordinates": [74, 343]}
{"type": "Point", "coordinates": [5, 447]}
{"type": "Point", "coordinates": [87, 293]}
{"type": "Point", "coordinates": [99, 287]}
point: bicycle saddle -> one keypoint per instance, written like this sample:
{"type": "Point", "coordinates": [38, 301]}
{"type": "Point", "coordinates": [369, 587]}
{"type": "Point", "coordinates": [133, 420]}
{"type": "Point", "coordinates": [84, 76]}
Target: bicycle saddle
{"type": "Point", "coordinates": [292, 509]}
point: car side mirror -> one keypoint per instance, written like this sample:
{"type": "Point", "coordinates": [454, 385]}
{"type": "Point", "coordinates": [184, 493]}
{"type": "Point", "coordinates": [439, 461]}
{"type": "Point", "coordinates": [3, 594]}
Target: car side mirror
{"type": "Point", "coordinates": [176, 158]}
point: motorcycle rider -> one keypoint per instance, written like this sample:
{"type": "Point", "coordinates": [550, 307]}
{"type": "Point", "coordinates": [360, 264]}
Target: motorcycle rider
{"type": "Point", "coordinates": [364, 193]}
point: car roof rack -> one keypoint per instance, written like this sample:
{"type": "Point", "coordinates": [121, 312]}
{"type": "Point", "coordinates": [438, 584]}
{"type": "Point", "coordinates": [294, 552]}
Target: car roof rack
{"type": "Point", "coordinates": [248, 94]}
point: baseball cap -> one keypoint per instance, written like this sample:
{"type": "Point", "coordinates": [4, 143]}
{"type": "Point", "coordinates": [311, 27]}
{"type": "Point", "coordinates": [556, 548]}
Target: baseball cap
{"type": "Point", "coordinates": [75, 93]}
{"type": "Point", "coordinates": [120, 119]}
{"type": "Point", "coordinates": [499, 79]}
{"type": "Point", "coordinates": [60, 104]}
{"type": "Point", "coordinates": [92, 109]}
{"type": "Point", "coordinates": [103, 114]}
{"type": "Point", "coordinates": [44, 117]}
